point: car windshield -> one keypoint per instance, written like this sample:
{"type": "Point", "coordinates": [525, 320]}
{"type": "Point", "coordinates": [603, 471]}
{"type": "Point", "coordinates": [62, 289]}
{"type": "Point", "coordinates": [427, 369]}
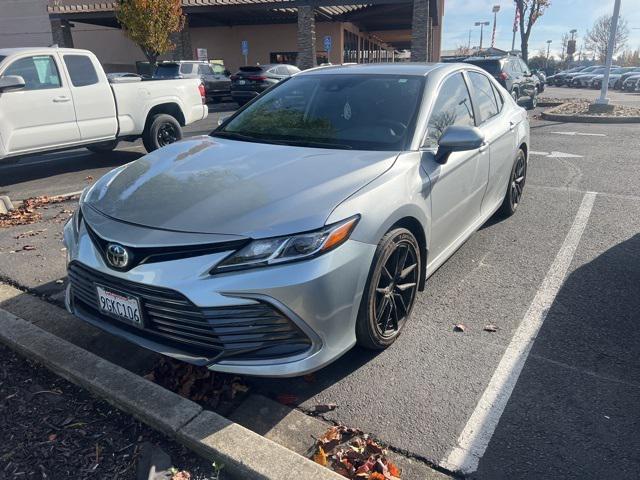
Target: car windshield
{"type": "Point", "coordinates": [167, 71]}
{"type": "Point", "coordinates": [364, 112]}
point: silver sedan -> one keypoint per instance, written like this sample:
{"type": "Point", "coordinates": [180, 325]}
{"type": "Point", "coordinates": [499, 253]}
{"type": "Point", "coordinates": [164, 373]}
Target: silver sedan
{"type": "Point", "coordinates": [305, 224]}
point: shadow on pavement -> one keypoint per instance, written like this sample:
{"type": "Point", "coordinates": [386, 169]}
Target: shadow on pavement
{"type": "Point", "coordinates": [575, 411]}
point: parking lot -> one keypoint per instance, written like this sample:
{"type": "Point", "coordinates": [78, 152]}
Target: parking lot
{"type": "Point", "coordinates": [574, 408]}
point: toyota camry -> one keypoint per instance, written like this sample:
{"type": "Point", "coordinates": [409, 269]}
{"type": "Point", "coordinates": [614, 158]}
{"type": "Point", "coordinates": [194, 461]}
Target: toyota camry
{"type": "Point", "coordinates": [306, 223]}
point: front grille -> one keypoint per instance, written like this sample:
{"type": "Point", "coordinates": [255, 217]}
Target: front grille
{"type": "Point", "coordinates": [257, 331]}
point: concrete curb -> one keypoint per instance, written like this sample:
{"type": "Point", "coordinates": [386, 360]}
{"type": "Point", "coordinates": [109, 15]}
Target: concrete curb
{"type": "Point", "coordinates": [244, 453]}
{"type": "Point", "coordinates": [561, 117]}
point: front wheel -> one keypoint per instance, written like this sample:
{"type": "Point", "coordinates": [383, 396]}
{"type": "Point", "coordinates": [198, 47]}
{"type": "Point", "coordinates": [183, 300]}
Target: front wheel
{"type": "Point", "coordinates": [515, 189]}
{"type": "Point", "coordinates": [160, 131]}
{"type": "Point", "coordinates": [533, 101]}
{"type": "Point", "coordinates": [390, 291]}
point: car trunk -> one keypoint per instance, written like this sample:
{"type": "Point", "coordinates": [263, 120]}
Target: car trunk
{"type": "Point", "coordinates": [249, 78]}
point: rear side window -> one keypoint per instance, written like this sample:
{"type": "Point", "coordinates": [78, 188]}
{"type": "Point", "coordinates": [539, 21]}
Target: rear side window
{"type": "Point", "coordinates": [167, 71]}
{"type": "Point", "coordinates": [452, 107]}
{"type": "Point", "coordinates": [40, 72]}
{"type": "Point", "coordinates": [81, 70]}
{"type": "Point", "coordinates": [186, 68]}
{"type": "Point", "coordinates": [483, 97]}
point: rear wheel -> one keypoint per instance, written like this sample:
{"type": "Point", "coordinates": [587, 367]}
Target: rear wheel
{"type": "Point", "coordinates": [161, 130]}
{"type": "Point", "coordinates": [533, 101]}
{"type": "Point", "coordinates": [390, 291]}
{"type": "Point", "coordinates": [514, 95]}
{"type": "Point", "coordinates": [516, 185]}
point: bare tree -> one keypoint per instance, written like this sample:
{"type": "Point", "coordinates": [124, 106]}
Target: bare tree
{"type": "Point", "coordinates": [529, 12]}
{"type": "Point", "coordinates": [598, 37]}
{"type": "Point", "coordinates": [564, 42]}
{"type": "Point", "coordinates": [463, 51]}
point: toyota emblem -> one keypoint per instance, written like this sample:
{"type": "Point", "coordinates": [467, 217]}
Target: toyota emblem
{"type": "Point", "coordinates": [117, 255]}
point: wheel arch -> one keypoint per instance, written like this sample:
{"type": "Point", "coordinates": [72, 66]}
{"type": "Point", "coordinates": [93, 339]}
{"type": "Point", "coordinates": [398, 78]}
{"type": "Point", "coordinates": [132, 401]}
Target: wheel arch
{"type": "Point", "coordinates": [170, 108]}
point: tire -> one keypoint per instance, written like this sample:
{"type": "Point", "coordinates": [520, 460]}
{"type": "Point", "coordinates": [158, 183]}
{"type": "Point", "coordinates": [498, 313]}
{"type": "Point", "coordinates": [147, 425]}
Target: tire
{"type": "Point", "coordinates": [103, 147]}
{"type": "Point", "coordinates": [161, 130]}
{"type": "Point", "coordinates": [533, 101]}
{"type": "Point", "coordinates": [515, 188]}
{"type": "Point", "coordinates": [514, 95]}
{"type": "Point", "coordinates": [379, 322]}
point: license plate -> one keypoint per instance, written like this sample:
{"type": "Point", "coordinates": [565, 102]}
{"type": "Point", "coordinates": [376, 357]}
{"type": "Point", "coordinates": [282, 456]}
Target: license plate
{"type": "Point", "coordinates": [242, 82]}
{"type": "Point", "coordinates": [119, 305]}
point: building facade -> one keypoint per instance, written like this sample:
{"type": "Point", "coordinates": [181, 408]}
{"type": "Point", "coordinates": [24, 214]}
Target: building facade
{"type": "Point", "coordinates": [301, 32]}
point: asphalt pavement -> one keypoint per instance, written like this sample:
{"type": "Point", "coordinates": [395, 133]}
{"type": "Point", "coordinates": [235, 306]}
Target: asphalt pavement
{"type": "Point", "coordinates": [567, 263]}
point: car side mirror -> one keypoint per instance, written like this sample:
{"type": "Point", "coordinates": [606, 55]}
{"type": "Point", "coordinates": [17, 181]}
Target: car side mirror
{"type": "Point", "coordinates": [11, 82]}
{"type": "Point", "coordinates": [458, 138]}
{"type": "Point", "coordinates": [223, 118]}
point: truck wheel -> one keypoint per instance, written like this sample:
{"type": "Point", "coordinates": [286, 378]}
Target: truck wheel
{"type": "Point", "coordinates": [161, 130]}
{"type": "Point", "coordinates": [103, 147]}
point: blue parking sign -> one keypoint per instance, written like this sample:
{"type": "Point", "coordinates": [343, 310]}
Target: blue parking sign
{"type": "Point", "coordinates": [327, 43]}
{"type": "Point", "coordinates": [245, 47]}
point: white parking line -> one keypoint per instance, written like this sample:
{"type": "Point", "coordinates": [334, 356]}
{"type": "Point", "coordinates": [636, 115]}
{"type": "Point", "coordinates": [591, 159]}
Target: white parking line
{"type": "Point", "coordinates": [583, 134]}
{"type": "Point", "coordinates": [555, 154]}
{"type": "Point", "coordinates": [477, 433]}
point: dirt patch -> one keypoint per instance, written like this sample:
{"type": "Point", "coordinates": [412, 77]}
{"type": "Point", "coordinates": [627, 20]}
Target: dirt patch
{"type": "Point", "coordinates": [52, 429]}
{"type": "Point", "coordinates": [581, 107]}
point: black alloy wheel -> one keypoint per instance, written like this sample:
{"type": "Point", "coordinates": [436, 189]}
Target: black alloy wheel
{"type": "Point", "coordinates": [166, 134]}
{"type": "Point", "coordinates": [391, 290]}
{"type": "Point", "coordinates": [516, 185]}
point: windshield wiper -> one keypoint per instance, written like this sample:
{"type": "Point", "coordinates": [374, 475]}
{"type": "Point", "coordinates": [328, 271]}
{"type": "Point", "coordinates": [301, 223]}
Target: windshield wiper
{"type": "Point", "coordinates": [243, 137]}
{"type": "Point", "coordinates": [311, 143]}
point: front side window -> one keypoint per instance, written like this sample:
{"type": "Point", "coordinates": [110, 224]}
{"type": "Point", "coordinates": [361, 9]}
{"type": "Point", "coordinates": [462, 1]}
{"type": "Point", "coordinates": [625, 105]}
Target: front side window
{"type": "Point", "coordinates": [483, 97]}
{"type": "Point", "coordinates": [40, 72]}
{"type": "Point", "coordinates": [366, 112]}
{"type": "Point", "coordinates": [452, 107]}
{"type": "Point", "coordinates": [81, 70]}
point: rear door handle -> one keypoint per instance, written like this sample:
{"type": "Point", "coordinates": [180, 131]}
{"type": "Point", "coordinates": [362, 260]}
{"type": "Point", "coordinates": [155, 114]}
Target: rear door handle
{"type": "Point", "coordinates": [61, 99]}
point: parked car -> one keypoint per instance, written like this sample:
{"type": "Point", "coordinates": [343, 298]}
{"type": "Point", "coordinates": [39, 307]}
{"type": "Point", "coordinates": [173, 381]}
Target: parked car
{"type": "Point", "coordinates": [283, 248]}
{"type": "Point", "coordinates": [614, 76]}
{"type": "Point", "coordinates": [56, 98]}
{"type": "Point", "coordinates": [631, 83]}
{"type": "Point", "coordinates": [250, 81]}
{"type": "Point", "coordinates": [584, 79]}
{"type": "Point", "coordinates": [568, 78]}
{"type": "Point", "coordinates": [513, 74]}
{"type": "Point", "coordinates": [558, 79]}
{"type": "Point", "coordinates": [542, 77]}
{"type": "Point", "coordinates": [214, 76]}
{"type": "Point", "coordinates": [632, 72]}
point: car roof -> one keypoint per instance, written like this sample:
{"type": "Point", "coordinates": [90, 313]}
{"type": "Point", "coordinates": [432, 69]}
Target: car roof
{"type": "Point", "coordinates": [403, 68]}
{"type": "Point", "coordinates": [17, 50]}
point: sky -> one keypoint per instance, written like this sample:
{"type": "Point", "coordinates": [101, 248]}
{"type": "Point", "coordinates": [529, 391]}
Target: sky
{"type": "Point", "coordinates": [560, 17]}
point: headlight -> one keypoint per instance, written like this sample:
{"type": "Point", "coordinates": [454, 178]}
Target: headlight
{"type": "Point", "coordinates": [273, 251]}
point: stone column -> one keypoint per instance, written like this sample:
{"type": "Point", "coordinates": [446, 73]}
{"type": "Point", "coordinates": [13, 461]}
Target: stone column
{"type": "Point", "coordinates": [306, 37]}
{"type": "Point", "coordinates": [420, 31]}
{"type": "Point", "coordinates": [61, 33]}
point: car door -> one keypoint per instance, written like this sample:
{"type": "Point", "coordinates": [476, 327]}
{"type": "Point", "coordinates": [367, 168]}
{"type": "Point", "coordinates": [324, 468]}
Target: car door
{"type": "Point", "coordinates": [41, 114]}
{"type": "Point", "coordinates": [458, 186]}
{"type": "Point", "coordinates": [528, 80]}
{"type": "Point", "coordinates": [92, 96]}
{"type": "Point", "coordinates": [500, 136]}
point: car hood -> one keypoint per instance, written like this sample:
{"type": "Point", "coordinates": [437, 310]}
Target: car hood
{"type": "Point", "coordinates": [215, 185]}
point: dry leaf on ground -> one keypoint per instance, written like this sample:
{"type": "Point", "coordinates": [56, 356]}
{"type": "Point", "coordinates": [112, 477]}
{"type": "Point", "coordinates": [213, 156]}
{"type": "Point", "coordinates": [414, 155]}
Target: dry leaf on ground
{"type": "Point", "coordinates": [490, 328]}
{"type": "Point", "coordinates": [459, 327]}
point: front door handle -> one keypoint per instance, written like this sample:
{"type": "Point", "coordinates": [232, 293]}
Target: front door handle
{"type": "Point", "coordinates": [62, 99]}
{"type": "Point", "coordinates": [512, 125]}
{"type": "Point", "coordinates": [483, 147]}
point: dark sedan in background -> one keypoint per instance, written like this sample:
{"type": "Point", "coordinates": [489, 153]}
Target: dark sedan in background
{"type": "Point", "coordinates": [251, 81]}
{"type": "Point", "coordinates": [214, 76]}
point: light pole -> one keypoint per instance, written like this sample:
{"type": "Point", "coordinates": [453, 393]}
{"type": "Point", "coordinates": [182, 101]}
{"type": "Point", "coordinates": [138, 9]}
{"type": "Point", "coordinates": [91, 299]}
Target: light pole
{"type": "Point", "coordinates": [603, 100]}
{"type": "Point", "coordinates": [481, 25]}
{"type": "Point", "coordinates": [546, 63]}
{"type": "Point", "coordinates": [495, 10]}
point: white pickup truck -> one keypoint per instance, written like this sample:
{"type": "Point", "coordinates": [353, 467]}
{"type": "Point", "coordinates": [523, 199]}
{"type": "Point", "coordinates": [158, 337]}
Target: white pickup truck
{"type": "Point", "coordinates": [57, 98]}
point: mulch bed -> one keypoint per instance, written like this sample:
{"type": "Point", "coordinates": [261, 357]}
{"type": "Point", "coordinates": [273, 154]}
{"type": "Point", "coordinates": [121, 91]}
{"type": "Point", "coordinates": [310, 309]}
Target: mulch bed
{"type": "Point", "coordinates": [581, 107]}
{"type": "Point", "coordinates": [52, 429]}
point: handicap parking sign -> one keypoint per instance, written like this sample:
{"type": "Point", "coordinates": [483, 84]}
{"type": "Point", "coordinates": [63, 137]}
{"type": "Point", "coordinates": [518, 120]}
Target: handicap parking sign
{"type": "Point", "coordinates": [245, 47]}
{"type": "Point", "coordinates": [327, 43]}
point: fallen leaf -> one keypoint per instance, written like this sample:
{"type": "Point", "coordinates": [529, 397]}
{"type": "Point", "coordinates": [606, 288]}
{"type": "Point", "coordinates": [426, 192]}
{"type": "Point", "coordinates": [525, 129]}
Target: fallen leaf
{"type": "Point", "coordinates": [490, 328]}
{"type": "Point", "coordinates": [320, 457]}
{"type": "Point", "coordinates": [393, 469]}
{"type": "Point", "coordinates": [52, 437]}
{"type": "Point", "coordinates": [459, 327]}
{"type": "Point", "coordinates": [28, 247]}
{"type": "Point", "coordinates": [376, 476]}
{"type": "Point", "coordinates": [287, 399]}
{"type": "Point", "coordinates": [181, 475]}
{"type": "Point", "coordinates": [89, 178]}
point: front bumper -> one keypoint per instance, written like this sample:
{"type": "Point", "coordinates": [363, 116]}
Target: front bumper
{"type": "Point", "coordinates": [319, 297]}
